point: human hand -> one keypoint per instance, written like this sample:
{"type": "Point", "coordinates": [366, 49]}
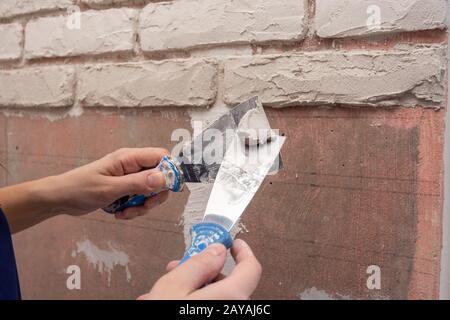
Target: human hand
{"type": "Point", "coordinates": [188, 280]}
{"type": "Point", "coordinates": [101, 182]}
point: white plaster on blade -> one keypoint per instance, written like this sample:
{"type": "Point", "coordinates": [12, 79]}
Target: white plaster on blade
{"type": "Point", "coordinates": [254, 127]}
{"type": "Point", "coordinates": [103, 260]}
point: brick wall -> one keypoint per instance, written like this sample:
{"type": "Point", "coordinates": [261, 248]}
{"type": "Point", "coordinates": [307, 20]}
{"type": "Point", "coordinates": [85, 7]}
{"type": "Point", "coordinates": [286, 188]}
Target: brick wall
{"type": "Point", "coordinates": [358, 87]}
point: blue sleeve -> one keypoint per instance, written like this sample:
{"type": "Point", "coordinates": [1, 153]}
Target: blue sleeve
{"type": "Point", "coordinates": [9, 280]}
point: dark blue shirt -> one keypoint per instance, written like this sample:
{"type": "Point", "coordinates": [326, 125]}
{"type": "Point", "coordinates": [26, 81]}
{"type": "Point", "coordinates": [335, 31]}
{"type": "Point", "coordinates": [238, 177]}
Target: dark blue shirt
{"type": "Point", "coordinates": [9, 280]}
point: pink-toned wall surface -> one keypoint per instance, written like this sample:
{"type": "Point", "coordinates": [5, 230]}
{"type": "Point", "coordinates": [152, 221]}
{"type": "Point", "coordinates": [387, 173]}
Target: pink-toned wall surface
{"type": "Point", "coordinates": [363, 113]}
{"type": "Point", "coordinates": [360, 187]}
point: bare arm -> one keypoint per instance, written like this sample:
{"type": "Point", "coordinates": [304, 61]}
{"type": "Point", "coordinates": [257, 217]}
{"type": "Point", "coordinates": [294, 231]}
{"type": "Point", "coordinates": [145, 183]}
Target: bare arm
{"type": "Point", "coordinates": [27, 204]}
{"type": "Point", "coordinates": [86, 189]}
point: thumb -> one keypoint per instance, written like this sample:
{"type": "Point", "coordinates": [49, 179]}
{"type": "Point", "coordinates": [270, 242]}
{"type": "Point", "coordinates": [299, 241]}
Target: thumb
{"type": "Point", "coordinates": [142, 182]}
{"type": "Point", "coordinates": [200, 269]}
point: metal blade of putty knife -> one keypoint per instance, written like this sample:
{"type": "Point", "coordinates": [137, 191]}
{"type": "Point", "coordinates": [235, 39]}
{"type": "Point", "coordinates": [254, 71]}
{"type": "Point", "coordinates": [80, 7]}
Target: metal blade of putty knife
{"type": "Point", "coordinates": [188, 166]}
{"type": "Point", "coordinates": [241, 173]}
{"type": "Point", "coordinates": [204, 171]}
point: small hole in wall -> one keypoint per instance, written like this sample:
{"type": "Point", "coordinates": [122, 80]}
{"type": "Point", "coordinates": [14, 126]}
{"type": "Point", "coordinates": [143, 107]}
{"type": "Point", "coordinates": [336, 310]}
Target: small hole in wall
{"type": "Point", "coordinates": [283, 134]}
{"type": "Point", "coordinates": [17, 147]}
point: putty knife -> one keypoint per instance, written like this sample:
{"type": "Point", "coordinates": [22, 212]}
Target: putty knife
{"type": "Point", "coordinates": [183, 168]}
{"type": "Point", "coordinates": [241, 173]}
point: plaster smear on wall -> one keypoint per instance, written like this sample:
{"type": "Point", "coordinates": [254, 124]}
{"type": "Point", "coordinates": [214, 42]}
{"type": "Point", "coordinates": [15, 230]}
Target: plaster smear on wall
{"type": "Point", "coordinates": [103, 260]}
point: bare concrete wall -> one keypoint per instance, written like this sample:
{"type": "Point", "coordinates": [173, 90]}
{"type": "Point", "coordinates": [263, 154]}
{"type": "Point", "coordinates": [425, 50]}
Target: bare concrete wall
{"type": "Point", "coordinates": [359, 93]}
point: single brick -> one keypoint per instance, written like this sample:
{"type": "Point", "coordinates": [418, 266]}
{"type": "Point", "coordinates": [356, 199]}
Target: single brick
{"type": "Point", "coordinates": [104, 31]}
{"type": "Point", "coordinates": [37, 87]}
{"type": "Point", "coordinates": [158, 84]}
{"type": "Point", "coordinates": [10, 41]}
{"type": "Point", "coordinates": [337, 19]}
{"type": "Point", "coordinates": [11, 8]}
{"type": "Point", "coordinates": [190, 23]}
{"type": "Point", "coordinates": [406, 76]}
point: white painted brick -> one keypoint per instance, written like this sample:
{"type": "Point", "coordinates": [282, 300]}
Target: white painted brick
{"type": "Point", "coordinates": [190, 23]}
{"type": "Point", "coordinates": [34, 87]}
{"type": "Point", "coordinates": [407, 76]}
{"type": "Point", "coordinates": [337, 18]}
{"type": "Point", "coordinates": [150, 84]}
{"type": "Point", "coordinates": [11, 8]}
{"type": "Point", "coordinates": [10, 41]}
{"type": "Point", "coordinates": [103, 31]}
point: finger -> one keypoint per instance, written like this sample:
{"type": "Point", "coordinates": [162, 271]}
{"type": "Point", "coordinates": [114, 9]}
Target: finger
{"type": "Point", "coordinates": [220, 277]}
{"type": "Point", "coordinates": [171, 265]}
{"type": "Point", "coordinates": [150, 203]}
{"type": "Point", "coordinates": [146, 296]}
{"type": "Point", "coordinates": [135, 159]}
{"type": "Point", "coordinates": [143, 182]}
{"type": "Point", "coordinates": [242, 281]}
{"type": "Point", "coordinates": [197, 271]}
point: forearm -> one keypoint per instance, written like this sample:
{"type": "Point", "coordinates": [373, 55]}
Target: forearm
{"type": "Point", "coordinates": [86, 188]}
{"type": "Point", "coordinates": [29, 203]}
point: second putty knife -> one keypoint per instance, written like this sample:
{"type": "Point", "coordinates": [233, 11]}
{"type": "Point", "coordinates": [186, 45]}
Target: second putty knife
{"type": "Point", "coordinates": [241, 173]}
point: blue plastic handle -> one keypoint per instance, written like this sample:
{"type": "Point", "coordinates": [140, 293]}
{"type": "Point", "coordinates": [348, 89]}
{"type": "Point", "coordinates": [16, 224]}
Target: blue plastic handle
{"type": "Point", "coordinates": [128, 202]}
{"type": "Point", "coordinates": [204, 235]}
{"type": "Point", "coordinates": [174, 180]}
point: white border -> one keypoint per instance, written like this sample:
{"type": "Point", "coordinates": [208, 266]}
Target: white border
{"type": "Point", "coordinates": [444, 289]}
